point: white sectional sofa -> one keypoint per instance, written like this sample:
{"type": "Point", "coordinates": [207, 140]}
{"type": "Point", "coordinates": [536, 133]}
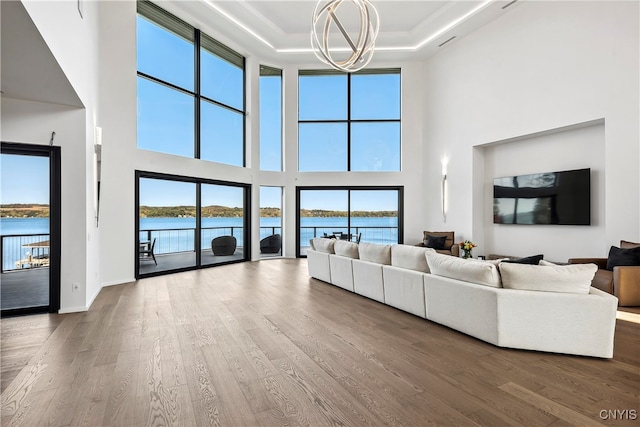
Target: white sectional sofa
{"type": "Point", "coordinates": [546, 308]}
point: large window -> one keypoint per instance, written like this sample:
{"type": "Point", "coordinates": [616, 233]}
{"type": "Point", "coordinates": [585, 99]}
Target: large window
{"type": "Point", "coordinates": [349, 122]}
{"type": "Point", "coordinates": [190, 90]}
{"type": "Point", "coordinates": [270, 119]}
{"type": "Point", "coordinates": [367, 214]}
{"type": "Point", "coordinates": [184, 223]}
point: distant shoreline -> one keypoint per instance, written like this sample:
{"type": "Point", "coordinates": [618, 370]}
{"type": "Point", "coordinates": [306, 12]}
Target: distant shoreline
{"type": "Point", "coordinates": [214, 211]}
{"type": "Point", "coordinates": [21, 210]}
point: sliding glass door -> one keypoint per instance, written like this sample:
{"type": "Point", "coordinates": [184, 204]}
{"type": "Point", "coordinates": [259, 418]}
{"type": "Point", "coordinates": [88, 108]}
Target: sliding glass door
{"type": "Point", "coordinates": [368, 214]}
{"type": "Point", "coordinates": [185, 223]}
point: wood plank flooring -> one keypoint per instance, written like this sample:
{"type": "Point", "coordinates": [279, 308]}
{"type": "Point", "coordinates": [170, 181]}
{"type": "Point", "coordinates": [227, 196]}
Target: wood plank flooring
{"type": "Point", "coordinates": [262, 344]}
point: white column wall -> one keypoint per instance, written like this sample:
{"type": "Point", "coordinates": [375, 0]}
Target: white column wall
{"type": "Point", "coordinates": [539, 67]}
{"type": "Point", "coordinates": [32, 123]}
{"type": "Point", "coordinates": [69, 37]}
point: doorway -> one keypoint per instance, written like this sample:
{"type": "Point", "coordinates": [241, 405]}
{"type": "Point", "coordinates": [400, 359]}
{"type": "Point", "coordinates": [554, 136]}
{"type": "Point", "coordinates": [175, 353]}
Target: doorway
{"type": "Point", "coordinates": [29, 228]}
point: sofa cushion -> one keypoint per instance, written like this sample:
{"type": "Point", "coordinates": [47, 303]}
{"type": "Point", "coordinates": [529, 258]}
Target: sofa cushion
{"type": "Point", "coordinates": [374, 252]}
{"type": "Point", "coordinates": [346, 249]}
{"type": "Point", "coordinates": [410, 257]}
{"type": "Point", "coordinates": [468, 270]}
{"type": "Point", "coordinates": [533, 260]}
{"type": "Point", "coordinates": [324, 245]}
{"type": "Point", "coordinates": [573, 278]}
{"type": "Point", "coordinates": [435, 242]}
{"type": "Point", "coordinates": [619, 256]}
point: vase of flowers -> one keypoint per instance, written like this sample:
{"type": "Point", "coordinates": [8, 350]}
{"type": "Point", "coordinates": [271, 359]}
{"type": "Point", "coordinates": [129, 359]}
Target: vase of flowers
{"type": "Point", "coordinates": [466, 247]}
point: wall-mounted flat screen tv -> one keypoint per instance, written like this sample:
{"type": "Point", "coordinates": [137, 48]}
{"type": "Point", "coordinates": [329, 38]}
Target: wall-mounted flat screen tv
{"type": "Point", "coordinates": [562, 198]}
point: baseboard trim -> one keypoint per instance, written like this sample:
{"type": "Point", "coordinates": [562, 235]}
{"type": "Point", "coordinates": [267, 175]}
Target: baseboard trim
{"type": "Point", "coordinates": [72, 310]}
{"type": "Point", "coordinates": [118, 282]}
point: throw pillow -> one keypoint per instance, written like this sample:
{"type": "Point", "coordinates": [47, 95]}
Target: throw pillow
{"type": "Point", "coordinates": [618, 256]}
{"type": "Point", "coordinates": [533, 260]}
{"type": "Point", "coordinates": [435, 242]}
{"type": "Point", "coordinates": [468, 270]}
{"type": "Point", "coordinates": [546, 263]}
{"type": "Point", "coordinates": [573, 278]}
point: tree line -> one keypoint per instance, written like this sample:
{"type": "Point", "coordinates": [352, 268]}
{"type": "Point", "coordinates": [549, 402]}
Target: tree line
{"type": "Point", "coordinates": [24, 210]}
{"type": "Point", "coordinates": [237, 212]}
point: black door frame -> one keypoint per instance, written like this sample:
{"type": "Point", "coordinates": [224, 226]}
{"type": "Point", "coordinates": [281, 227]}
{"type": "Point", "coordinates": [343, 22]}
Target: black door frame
{"type": "Point", "coordinates": [197, 243]}
{"type": "Point", "coordinates": [55, 220]}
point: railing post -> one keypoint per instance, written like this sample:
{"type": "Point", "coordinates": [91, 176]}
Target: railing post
{"type": "Point", "coordinates": [2, 254]}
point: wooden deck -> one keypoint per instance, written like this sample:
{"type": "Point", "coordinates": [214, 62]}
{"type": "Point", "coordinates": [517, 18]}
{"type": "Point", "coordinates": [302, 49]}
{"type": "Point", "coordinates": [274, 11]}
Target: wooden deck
{"type": "Point", "coordinates": [24, 288]}
{"type": "Point", "coordinates": [262, 344]}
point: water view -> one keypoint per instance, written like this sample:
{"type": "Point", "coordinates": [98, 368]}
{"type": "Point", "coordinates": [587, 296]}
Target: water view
{"type": "Point", "coordinates": [177, 234]}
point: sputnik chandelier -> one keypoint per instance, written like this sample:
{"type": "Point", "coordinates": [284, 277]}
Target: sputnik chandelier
{"type": "Point", "coordinates": [359, 52]}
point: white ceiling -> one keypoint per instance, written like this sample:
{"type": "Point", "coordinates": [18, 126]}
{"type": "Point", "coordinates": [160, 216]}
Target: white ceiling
{"type": "Point", "coordinates": [409, 29]}
{"type": "Point", "coordinates": [277, 29]}
{"type": "Point", "coordinates": [29, 69]}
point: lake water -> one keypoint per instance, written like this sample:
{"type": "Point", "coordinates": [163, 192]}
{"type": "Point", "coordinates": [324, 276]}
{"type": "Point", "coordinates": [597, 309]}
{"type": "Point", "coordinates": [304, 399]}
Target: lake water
{"type": "Point", "coordinates": [177, 234]}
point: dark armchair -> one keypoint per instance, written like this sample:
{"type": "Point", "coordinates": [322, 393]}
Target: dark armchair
{"type": "Point", "coordinates": [622, 281]}
{"type": "Point", "coordinates": [448, 246]}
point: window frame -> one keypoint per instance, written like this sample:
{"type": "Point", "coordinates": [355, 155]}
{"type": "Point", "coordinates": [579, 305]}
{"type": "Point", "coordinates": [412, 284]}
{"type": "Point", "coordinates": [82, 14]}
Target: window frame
{"type": "Point", "coordinates": [267, 71]}
{"type": "Point", "coordinates": [168, 22]}
{"type": "Point", "coordinates": [349, 120]}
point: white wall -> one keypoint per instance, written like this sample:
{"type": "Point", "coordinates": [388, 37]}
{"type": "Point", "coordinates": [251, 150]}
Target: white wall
{"type": "Point", "coordinates": [541, 66]}
{"type": "Point", "coordinates": [72, 40]}
{"type": "Point", "coordinates": [33, 122]}
{"type": "Point", "coordinates": [564, 149]}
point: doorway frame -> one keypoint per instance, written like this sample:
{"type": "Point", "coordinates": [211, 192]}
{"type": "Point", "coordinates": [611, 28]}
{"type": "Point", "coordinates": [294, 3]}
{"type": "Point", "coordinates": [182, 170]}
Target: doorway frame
{"type": "Point", "coordinates": [55, 220]}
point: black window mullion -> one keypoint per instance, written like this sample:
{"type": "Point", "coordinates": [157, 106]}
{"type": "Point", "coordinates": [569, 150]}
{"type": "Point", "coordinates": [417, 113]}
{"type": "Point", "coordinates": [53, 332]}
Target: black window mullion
{"type": "Point", "coordinates": [349, 212]}
{"type": "Point", "coordinates": [197, 239]}
{"type": "Point", "coordinates": [164, 83]}
{"type": "Point", "coordinates": [349, 126]}
{"type": "Point", "coordinates": [196, 59]}
{"type": "Point", "coordinates": [244, 116]}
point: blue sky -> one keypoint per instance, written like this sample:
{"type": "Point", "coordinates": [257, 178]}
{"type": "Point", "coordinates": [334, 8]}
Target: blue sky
{"type": "Point", "coordinates": [25, 179]}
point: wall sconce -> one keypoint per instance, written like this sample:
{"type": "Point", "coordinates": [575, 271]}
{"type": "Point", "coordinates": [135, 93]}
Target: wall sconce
{"type": "Point", "coordinates": [97, 170]}
{"type": "Point", "coordinates": [443, 191]}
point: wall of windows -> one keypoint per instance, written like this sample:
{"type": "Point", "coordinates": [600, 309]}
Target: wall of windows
{"type": "Point", "coordinates": [367, 214]}
{"type": "Point", "coordinates": [191, 91]}
{"type": "Point", "coordinates": [270, 119]}
{"type": "Point", "coordinates": [349, 122]}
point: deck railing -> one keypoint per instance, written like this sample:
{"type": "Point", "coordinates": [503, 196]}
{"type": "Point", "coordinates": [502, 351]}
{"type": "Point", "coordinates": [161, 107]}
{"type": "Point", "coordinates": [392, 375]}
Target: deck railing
{"type": "Point", "coordinates": [376, 234]}
{"type": "Point", "coordinates": [14, 248]}
{"type": "Point", "coordinates": [182, 239]}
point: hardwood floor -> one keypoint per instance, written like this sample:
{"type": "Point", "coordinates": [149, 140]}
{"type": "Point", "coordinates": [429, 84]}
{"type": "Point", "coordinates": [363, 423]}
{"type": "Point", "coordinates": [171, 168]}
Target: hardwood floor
{"type": "Point", "coordinates": [262, 344]}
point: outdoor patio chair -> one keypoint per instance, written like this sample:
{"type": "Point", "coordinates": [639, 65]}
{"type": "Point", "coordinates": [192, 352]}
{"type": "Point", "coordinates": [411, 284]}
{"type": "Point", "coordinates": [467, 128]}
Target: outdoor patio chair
{"type": "Point", "coordinates": [224, 245]}
{"type": "Point", "coordinates": [147, 253]}
{"type": "Point", "coordinates": [271, 244]}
